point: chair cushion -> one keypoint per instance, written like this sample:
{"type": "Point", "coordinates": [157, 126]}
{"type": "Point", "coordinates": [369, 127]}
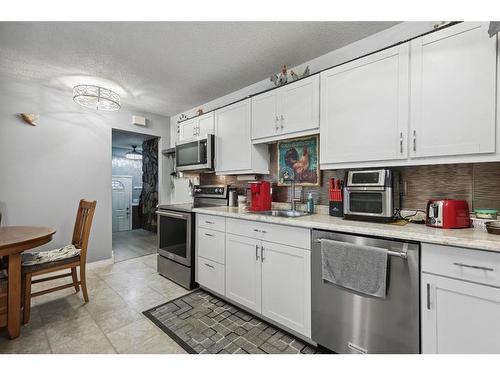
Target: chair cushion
{"type": "Point", "coordinates": [56, 255]}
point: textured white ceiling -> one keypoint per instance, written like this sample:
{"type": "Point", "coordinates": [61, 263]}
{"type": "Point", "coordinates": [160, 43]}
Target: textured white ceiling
{"type": "Point", "coordinates": [166, 67]}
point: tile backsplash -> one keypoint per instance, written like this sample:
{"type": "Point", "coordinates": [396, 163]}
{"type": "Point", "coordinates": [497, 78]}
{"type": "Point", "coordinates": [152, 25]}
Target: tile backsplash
{"type": "Point", "coordinates": [478, 183]}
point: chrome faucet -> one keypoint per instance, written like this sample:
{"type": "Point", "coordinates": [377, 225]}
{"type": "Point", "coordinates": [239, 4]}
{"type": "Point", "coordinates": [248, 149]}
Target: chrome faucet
{"type": "Point", "coordinates": [293, 200]}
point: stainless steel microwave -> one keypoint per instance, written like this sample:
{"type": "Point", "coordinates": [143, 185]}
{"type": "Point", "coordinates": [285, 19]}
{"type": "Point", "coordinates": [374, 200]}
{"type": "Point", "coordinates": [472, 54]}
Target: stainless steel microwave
{"type": "Point", "coordinates": [372, 195]}
{"type": "Point", "coordinates": [195, 154]}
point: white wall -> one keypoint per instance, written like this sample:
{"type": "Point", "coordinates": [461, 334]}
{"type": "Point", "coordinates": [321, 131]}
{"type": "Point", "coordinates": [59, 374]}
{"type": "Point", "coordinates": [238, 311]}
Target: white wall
{"type": "Point", "coordinates": [46, 169]}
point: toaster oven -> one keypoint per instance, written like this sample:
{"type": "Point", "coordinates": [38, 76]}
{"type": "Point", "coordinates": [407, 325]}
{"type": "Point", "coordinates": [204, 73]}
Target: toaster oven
{"type": "Point", "coordinates": [371, 195]}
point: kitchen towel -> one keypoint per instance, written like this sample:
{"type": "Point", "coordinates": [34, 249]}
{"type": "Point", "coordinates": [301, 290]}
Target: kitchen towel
{"type": "Point", "coordinates": [356, 267]}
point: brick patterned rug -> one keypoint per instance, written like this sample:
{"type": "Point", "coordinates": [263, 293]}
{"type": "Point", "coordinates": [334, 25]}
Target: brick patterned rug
{"type": "Point", "coordinates": [202, 323]}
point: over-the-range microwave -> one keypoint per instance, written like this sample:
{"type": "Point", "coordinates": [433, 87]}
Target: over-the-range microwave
{"type": "Point", "coordinates": [195, 154]}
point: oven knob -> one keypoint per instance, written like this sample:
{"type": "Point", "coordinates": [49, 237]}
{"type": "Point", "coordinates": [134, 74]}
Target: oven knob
{"type": "Point", "coordinates": [197, 190]}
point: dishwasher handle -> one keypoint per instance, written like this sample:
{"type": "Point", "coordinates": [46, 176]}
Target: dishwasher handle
{"type": "Point", "coordinates": [402, 254]}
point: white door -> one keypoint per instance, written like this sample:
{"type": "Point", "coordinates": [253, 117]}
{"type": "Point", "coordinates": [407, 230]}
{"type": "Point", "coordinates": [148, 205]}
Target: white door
{"type": "Point", "coordinates": [188, 129]}
{"type": "Point", "coordinates": [453, 83]}
{"type": "Point", "coordinates": [122, 203]}
{"type": "Point", "coordinates": [364, 109]}
{"type": "Point", "coordinates": [233, 145]}
{"type": "Point", "coordinates": [286, 286]}
{"type": "Point", "coordinates": [265, 119]}
{"type": "Point", "coordinates": [459, 317]}
{"type": "Point", "coordinates": [205, 125]}
{"type": "Point", "coordinates": [298, 106]}
{"type": "Point", "coordinates": [243, 271]}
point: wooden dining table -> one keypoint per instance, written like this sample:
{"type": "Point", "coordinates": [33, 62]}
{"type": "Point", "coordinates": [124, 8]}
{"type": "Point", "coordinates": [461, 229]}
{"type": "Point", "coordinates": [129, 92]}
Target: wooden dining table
{"type": "Point", "coordinates": [13, 241]}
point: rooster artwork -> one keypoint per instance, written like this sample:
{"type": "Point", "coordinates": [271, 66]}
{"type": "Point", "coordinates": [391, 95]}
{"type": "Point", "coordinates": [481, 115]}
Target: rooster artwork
{"type": "Point", "coordinates": [298, 160]}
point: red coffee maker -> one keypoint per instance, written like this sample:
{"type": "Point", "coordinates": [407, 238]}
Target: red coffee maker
{"type": "Point", "coordinates": [260, 196]}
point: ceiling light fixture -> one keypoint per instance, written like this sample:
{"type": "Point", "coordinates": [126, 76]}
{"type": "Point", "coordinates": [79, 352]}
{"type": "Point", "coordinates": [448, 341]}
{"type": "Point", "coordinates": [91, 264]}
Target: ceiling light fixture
{"type": "Point", "coordinates": [96, 97]}
{"type": "Point", "coordinates": [133, 155]}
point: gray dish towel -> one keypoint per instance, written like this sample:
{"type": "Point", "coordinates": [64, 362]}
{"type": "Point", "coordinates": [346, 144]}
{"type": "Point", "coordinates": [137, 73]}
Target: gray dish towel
{"type": "Point", "coordinates": [356, 267]}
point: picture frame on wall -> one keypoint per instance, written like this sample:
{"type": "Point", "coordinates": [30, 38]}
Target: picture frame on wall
{"type": "Point", "coordinates": [298, 159]}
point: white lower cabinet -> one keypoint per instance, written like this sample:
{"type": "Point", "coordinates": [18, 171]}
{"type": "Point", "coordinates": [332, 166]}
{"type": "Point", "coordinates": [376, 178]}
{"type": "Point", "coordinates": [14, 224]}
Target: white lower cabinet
{"type": "Point", "coordinates": [460, 301]}
{"type": "Point", "coordinates": [243, 271]}
{"type": "Point", "coordinates": [286, 286]}
{"type": "Point", "coordinates": [211, 275]}
{"type": "Point", "coordinates": [271, 279]}
{"type": "Point", "coordinates": [459, 317]}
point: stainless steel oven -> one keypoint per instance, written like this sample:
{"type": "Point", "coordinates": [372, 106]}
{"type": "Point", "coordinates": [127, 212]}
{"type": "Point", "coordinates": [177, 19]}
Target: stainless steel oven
{"type": "Point", "coordinates": [176, 244]}
{"type": "Point", "coordinates": [176, 234]}
{"type": "Point", "coordinates": [371, 194]}
{"type": "Point", "coordinates": [195, 155]}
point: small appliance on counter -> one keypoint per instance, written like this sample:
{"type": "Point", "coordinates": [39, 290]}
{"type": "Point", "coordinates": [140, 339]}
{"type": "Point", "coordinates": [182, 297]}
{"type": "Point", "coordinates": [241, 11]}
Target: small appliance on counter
{"type": "Point", "coordinates": [336, 197]}
{"type": "Point", "coordinates": [372, 195]}
{"type": "Point", "coordinates": [260, 196]}
{"type": "Point", "coordinates": [448, 213]}
{"type": "Point", "coordinates": [233, 197]}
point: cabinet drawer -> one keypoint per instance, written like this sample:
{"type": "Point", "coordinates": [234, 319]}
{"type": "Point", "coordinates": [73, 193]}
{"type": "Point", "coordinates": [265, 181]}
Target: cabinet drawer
{"type": "Point", "coordinates": [211, 222]}
{"type": "Point", "coordinates": [211, 245]}
{"type": "Point", "coordinates": [286, 235]}
{"type": "Point", "coordinates": [211, 275]}
{"type": "Point", "coordinates": [471, 265]}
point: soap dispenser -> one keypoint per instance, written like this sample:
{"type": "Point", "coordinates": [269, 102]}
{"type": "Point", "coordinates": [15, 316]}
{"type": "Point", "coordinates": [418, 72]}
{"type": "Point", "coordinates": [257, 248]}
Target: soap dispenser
{"type": "Point", "coordinates": [310, 203]}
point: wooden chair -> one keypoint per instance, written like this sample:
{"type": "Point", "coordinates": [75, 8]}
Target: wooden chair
{"type": "Point", "coordinates": [80, 240]}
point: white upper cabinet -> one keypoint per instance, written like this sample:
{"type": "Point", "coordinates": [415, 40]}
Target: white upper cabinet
{"type": "Point", "coordinates": [364, 109]}
{"type": "Point", "coordinates": [235, 153]}
{"type": "Point", "coordinates": [453, 83]}
{"type": "Point", "coordinates": [299, 106]}
{"type": "Point", "coordinates": [288, 111]}
{"type": "Point", "coordinates": [265, 118]}
{"type": "Point", "coordinates": [197, 127]}
{"type": "Point", "coordinates": [206, 124]}
{"type": "Point", "coordinates": [187, 129]}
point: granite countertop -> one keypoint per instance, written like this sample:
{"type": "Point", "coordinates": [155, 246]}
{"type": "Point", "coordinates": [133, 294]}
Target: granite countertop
{"type": "Point", "coordinates": [468, 238]}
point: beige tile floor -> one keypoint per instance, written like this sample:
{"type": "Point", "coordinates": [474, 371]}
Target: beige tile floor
{"type": "Point", "coordinates": [110, 323]}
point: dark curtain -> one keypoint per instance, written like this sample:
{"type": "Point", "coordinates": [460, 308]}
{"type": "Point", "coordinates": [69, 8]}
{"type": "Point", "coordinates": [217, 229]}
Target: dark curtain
{"type": "Point", "coordinates": [149, 194]}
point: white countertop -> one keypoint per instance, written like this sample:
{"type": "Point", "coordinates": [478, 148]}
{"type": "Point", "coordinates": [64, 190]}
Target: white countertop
{"type": "Point", "coordinates": [468, 238]}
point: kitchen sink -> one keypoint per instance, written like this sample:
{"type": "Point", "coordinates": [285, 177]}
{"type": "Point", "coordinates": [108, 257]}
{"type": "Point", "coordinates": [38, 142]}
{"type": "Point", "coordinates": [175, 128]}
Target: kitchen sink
{"type": "Point", "coordinates": [283, 213]}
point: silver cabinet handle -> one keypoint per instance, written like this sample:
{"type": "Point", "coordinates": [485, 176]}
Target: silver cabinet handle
{"type": "Point", "coordinates": [282, 120]}
{"type": "Point", "coordinates": [276, 120]}
{"type": "Point", "coordinates": [475, 267]}
{"type": "Point", "coordinates": [209, 265]}
{"type": "Point", "coordinates": [428, 296]}
{"type": "Point", "coordinates": [209, 222]}
{"type": "Point", "coordinates": [260, 231]}
{"type": "Point", "coordinates": [209, 235]}
{"type": "Point", "coordinates": [262, 253]}
{"type": "Point", "coordinates": [256, 252]}
{"type": "Point", "coordinates": [263, 231]}
{"type": "Point", "coordinates": [401, 142]}
{"type": "Point", "coordinates": [414, 141]}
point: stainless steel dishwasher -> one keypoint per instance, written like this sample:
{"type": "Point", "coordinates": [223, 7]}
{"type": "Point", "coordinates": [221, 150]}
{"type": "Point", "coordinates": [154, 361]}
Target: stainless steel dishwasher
{"type": "Point", "coordinates": [349, 322]}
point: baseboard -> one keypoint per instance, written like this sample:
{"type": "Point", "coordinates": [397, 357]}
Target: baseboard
{"type": "Point", "coordinates": [100, 263]}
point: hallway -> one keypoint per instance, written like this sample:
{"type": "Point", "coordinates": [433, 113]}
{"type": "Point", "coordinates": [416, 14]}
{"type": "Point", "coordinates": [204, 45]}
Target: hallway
{"type": "Point", "coordinates": [133, 243]}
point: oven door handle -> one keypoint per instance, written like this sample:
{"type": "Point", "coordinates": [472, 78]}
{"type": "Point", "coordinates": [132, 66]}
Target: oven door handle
{"type": "Point", "coordinates": [170, 214]}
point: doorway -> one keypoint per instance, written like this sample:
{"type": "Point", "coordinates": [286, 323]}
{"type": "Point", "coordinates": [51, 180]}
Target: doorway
{"type": "Point", "coordinates": [134, 194]}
